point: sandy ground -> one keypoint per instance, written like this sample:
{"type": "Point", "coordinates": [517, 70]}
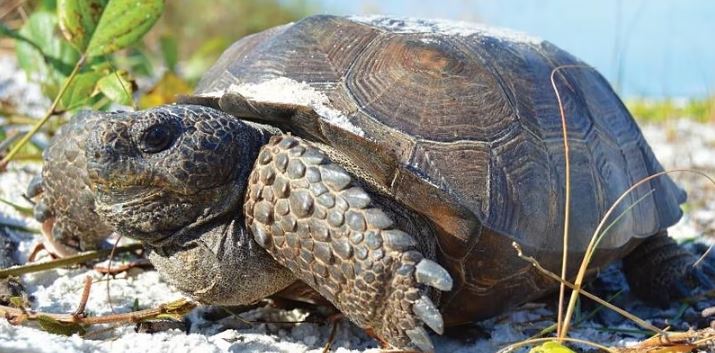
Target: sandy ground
{"type": "Point", "coordinates": [680, 144]}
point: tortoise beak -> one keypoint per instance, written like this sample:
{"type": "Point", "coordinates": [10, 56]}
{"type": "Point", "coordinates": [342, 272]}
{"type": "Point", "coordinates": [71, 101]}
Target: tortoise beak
{"type": "Point", "coordinates": [111, 154]}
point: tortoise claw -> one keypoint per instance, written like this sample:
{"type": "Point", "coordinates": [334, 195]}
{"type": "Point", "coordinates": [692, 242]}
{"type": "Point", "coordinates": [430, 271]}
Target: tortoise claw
{"type": "Point", "coordinates": [430, 273]}
{"type": "Point", "coordinates": [420, 338]}
{"type": "Point", "coordinates": [429, 314]}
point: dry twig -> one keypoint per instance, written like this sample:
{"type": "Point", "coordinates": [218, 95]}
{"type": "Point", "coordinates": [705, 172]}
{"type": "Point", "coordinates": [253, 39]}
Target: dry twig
{"type": "Point", "coordinates": [178, 307]}
{"type": "Point", "coordinates": [67, 261]}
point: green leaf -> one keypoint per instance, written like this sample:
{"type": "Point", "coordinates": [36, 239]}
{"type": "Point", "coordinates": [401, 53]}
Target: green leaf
{"type": "Point", "coordinates": [17, 302]}
{"type": "Point", "coordinates": [49, 5]}
{"type": "Point", "coordinates": [136, 60]}
{"type": "Point", "coordinates": [78, 19]}
{"type": "Point", "coordinates": [116, 87]}
{"type": "Point", "coordinates": [42, 55]}
{"type": "Point", "coordinates": [123, 22]}
{"type": "Point", "coordinates": [7, 32]}
{"type": "Point", "coordinates": [170, 51]}
{"type": "Point", "coordinates": [81, 90]}
{"type": "Point", "coordinates": [551, 347]}
{"type": "Point", "coordinates": [52, 325]}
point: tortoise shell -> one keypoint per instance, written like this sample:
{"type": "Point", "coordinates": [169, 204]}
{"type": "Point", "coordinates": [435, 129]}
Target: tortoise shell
{"type": "Point", "coordinates": [461, 124]}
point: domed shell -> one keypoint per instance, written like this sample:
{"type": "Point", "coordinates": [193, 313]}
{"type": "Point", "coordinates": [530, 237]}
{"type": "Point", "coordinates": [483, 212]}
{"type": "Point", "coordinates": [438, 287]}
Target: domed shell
{"type": "Point", "coordinates": [461, 123]}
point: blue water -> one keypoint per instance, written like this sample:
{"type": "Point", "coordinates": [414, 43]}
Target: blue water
{"type": "Point", "coordinates": [646, 48]}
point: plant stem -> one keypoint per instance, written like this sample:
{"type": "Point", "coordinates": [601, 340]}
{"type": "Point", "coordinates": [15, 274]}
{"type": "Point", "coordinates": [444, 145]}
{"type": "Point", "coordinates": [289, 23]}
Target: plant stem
{"type": "Point", "coordinates": [70, 260]}
{"type": "Point", "coordinates": [27, 211]}
{"type": "Point", "coordinates": [20, 228]}
{"type": "Point", "coordinates": [19, 120]}
{"type": "Point", "coordinates": [28, 157]}
{"type": "Point", "coordinates": [4, 30]}
{"type": "Point", "coordinates": [640, 322]}
{"type": "Point", "coordinates": [179, 307]}
{"type": "Point", "coordinates": [590, 315]}
{"type": "Point", "coordinates": [591, 248]}
{"type": "Point", "coordinates": [567, 204]}
{"type": "Point", "coordinates": [47, 116]}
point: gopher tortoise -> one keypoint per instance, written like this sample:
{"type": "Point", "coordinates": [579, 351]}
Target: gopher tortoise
{"type": "Point", "coordinates": [388, 164]}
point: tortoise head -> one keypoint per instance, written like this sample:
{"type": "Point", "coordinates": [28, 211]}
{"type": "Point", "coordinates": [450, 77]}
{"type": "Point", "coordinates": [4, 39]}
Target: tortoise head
{"type": "Point", "coordinates": [157, 172]}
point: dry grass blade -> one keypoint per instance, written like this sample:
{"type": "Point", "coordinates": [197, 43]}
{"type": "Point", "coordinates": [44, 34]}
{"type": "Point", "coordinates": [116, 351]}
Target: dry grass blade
{"type": "Point", "coordinates": [19, 228]}
{"type": "Point", "coordinates": [67, 261]}
{"type": "Point", "coordinates": [567, 201]}
{"type": "Point", "coordinates": [628, 209]}
{"type": "Point", "coordinates": [704, 255]}
{"type": "Point", "coordinates": [109, 265]}
{"type": "Point", "coordinates": [585, 318]}
{"type": "Point", "coordinates": [26, 211]}
{"type": "Point", "coordinates": [700, 340]}
{"type": "Point", "coordinates": [564, 320]}
{"type": "Point", "coordinates": [640, 322]}
{"type": "Point", "coordinates": [590, 250]}
{"type": "Point", "coordinates": [567, 196]}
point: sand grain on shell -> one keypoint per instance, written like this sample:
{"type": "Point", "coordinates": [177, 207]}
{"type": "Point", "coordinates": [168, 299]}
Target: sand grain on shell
{"type": "Point", "coordinates": [444, 27]}
{"type": "Point", "coordinates": [284, 90]}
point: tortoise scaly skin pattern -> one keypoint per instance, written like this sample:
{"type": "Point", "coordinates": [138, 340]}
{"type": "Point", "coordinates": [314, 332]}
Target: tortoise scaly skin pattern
{"type": "Point", "coordinates": [158, 177]}
{"type": "Point", "coordinates": [405, 218]}
{"type": "Point", "coordinates": [312, 217]}
{"type": "Point", "coordinates": [65, 202]}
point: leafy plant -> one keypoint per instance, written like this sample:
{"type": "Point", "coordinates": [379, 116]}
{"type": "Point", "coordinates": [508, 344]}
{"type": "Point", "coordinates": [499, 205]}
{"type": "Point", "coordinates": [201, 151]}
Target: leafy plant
{"type": "Point", "coordinates": [551, 347]}
{"type": "Point", "coordinates": [68, 47]}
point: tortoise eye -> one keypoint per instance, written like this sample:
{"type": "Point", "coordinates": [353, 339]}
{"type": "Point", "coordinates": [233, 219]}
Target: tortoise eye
{"type": "Point", "coordinates": [157, 138]}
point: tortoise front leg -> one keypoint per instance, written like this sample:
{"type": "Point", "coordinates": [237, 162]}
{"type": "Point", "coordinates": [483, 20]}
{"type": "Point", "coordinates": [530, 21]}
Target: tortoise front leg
{"type": "Point", "coordinates": [313, 218]}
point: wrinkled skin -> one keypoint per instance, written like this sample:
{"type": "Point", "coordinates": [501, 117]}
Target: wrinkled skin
{"type": "Point", "coordinates": [145, 182]}
{"type": "Point", "coordinates": [174, 178]}
{"type": "Point", "coordinates": [64, 199]}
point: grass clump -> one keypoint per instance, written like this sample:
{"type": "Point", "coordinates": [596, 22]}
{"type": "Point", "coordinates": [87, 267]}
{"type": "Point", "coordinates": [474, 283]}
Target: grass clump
{"type": "Point", "coordinates": [658, 111]}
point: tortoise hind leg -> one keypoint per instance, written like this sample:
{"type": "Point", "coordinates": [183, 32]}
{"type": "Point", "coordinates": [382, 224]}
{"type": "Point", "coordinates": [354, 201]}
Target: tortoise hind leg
{"type": "Point", "coordinates": [315, 219]}
{"type": "Point", "coordinates": [659, 270]}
